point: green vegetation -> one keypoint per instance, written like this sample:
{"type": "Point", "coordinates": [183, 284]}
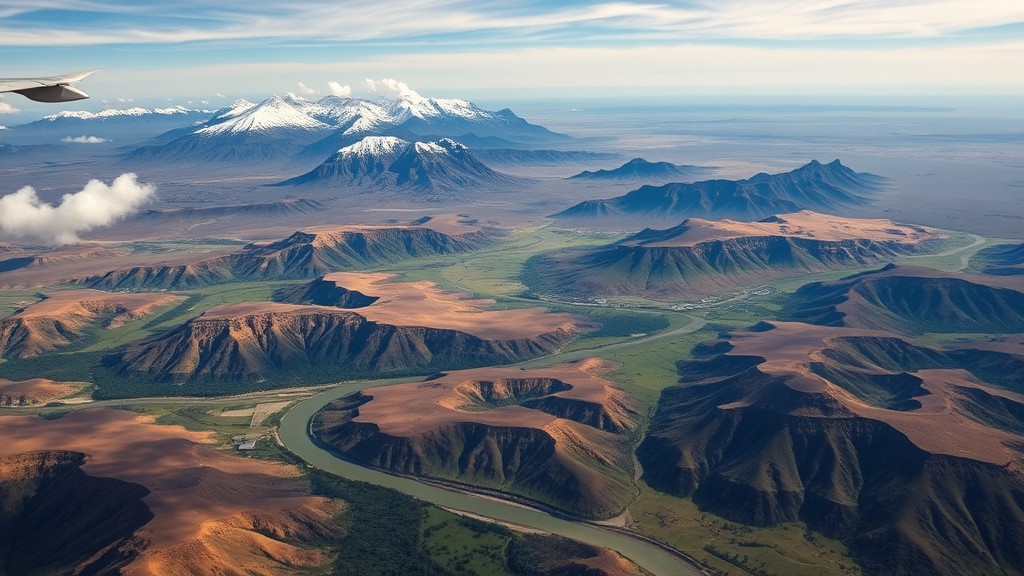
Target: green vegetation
{"type": "Point", "coordinates": [784, 550]}
{"type": "Point", "coordinates": [60, 366]}
{"type": "Point", "coordinates": [494, 270]}
{"type": "Point", "coordinates": [389, 533]}
{"type": "Point", "coordinates": [952, 255]}
{"type": "Point", "coordinates": [13, 300]}
{"type": "Point", "coordinates": [623, 324]}
{"type": "Point", "coordinates": [202, 299]}
{"type": "Point", "coordinates": [197, 418]}
{"type": "Point", "coordinates": [465, 546]}
{"type": "Point", "coordinates": [382, 529]}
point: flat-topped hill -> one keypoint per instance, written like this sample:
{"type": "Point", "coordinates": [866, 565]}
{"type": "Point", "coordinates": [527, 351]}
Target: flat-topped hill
{"type": "Point", "coordinates": [557, 436]}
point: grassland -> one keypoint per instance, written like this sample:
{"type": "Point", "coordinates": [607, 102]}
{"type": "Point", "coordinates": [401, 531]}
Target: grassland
{"type": "Point", "coordinates": [785, 550]}
{"type": "Point", "coordinates": [12, 300]}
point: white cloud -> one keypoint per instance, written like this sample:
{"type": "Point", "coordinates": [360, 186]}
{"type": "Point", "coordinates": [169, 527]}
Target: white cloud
{"type": "Point", "coordinates": [343, 90]}
{"type": "Point", "coordinates": [219, 95]}
{"type": "Point", "coordinates": [390, 88]}
{"type": "Point", "coordinates": [6, 108]}
{"type": "Point", "coordinates": [23, 217]}
{"type": "Point", "coordinates": [83, 139]}
{"type": "Point", "coordinates": [126, 100]}
{"type": "Point", "coordinates": [306, 89]}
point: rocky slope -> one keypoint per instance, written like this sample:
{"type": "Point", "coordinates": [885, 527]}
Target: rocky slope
{"type": "Point", "coordinates": [442, 168]}
{"type": "Point", "coordinates": [556, 436]}
{"type": "Point", "coordinates": [911, 300]}
{"type": "Point", "coordinates": [56, 519]}
{"type": "Point", "coordinates": [859, 434]}
{"type": "Point", "coordinates": [67, 316]}
{"type": "Point", "coordinates": [150, 499]}
{"type": "Point", "coordinates": [251, 343]}
{"type": "Point", "coordinates": [815, 186]}
{"type": "Point", "coordinates": [1000, 260]}
{"type": "Point", "coordinates": [304, 254]}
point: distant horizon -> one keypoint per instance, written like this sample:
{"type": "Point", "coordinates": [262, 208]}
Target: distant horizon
{"type": "Point", "coordinates": [527, 50]}
{"type": "Point", "coordinates": [935, 102]}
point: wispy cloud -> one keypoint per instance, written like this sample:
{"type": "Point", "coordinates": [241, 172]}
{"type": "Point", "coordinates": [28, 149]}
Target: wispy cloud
{"type": "Point", "coordinates": [533, 44]}
{"type": "Point", "coordinates": [366, 20]}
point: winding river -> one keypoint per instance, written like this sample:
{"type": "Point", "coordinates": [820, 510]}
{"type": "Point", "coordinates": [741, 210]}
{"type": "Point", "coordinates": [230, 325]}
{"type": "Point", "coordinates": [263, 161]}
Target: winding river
{"type": "Point", "coordinates": [294, 433]}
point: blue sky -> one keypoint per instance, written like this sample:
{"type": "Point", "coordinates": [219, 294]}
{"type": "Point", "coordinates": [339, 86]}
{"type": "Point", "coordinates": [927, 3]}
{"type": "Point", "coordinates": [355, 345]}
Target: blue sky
{"type": "Point", "coordinates": [215, 51]}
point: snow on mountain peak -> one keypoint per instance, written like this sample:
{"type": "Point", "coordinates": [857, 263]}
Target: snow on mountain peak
{"type": "Point", "coordinates": [274, 113]}
{"type": "Point", "coordinates": [430, 148]}
{"type": "Point", "coordinates": [118, 112]}
{"type": "Point", "coordinates": [452, 145]}
{"type": "Point", "coordinates": [442, 146]}
{"type": "Point", "coordinates": [374, 146]}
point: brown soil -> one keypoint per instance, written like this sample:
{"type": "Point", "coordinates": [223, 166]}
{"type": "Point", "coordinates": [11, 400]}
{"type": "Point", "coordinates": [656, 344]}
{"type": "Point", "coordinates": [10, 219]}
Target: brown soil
{"type": "Point", "coordinates": [64, 316]}
{"type": "Point", "coordinates": [411, 409]}
{"type": "Point", "coordinates": [937, 426]}
{"type": "Point", "coordinates": [38, 390]}
{"type": "Point", "coordinates": [69, 263]}
{"type": "Point", "coordinates": [213, 513]}
{"type": "Point", "coordinates": [804, 224]}
{"type": "Point", "coordinates": [424, 304]}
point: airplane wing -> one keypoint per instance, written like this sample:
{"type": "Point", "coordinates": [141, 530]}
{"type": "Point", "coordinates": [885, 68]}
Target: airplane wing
{"type": "Point", "coordinates": [50, 89]}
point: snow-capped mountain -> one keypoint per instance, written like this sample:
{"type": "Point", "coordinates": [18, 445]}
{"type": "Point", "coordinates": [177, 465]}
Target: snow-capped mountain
{"type": "Point", "coordinates": [323, 126]}
{"type": "Point", "coordinates": [364, 163]}
{"type": "Point", "coordinates": [271, 130]}
{"type": "Point", "coordinates": [439, 168]}
{"type": "Point", "coordinates": [135, 112]}
{"type": "Point", "coordinates": [270, 116]}
{"type": "Point", "coordinates": [237, 108]}
{"type": "Point", "coordinates": [117, 124]}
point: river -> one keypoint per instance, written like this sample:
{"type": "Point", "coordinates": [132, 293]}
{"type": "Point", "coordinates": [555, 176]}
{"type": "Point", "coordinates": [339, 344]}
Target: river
{"type": "Point", "coordinates": [294, 434]}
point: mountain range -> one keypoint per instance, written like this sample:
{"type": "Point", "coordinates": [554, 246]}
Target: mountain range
{"type": "Point", "coordinates": [114, 123]}
{"type": "Point", "coordinates": [907, 454]}
{"type": "Point", "coordinates": [250, 343]}
{"type": "Point", "coordinates": [304, 254]}
{"type": "Point", "coordinates": [814, 186]}
{"type": "Point", "coordinates": [284, 127]}
{"type": "Point", "coordinates": [699, 257]}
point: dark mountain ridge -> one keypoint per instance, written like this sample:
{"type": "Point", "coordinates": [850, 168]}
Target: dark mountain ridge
{"type": "Point", "coordinates": [814, 186]}
{"type": "Point", "coordinates": [763, 442]}
{"type": "Point", "coordinates": [639, 169]}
